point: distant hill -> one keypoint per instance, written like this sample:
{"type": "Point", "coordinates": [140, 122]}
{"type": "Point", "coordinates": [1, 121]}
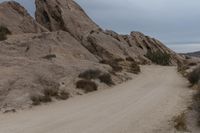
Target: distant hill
{"type": "Point", "coordinates": [195, 54]}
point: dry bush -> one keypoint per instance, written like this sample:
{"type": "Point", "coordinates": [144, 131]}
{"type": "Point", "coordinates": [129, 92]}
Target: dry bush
{"type": "Point", "coordinates": [49, 56]}
{"type": "Point", "coordinates": [135, 68]}
{"type": "Point", "coordinates": [50, 89]}
{"type": "Point", "coordinates": [196, 105]}
{"type": "Point", "coordinates": [4, 32]}
{"type": "Point", "coordinates": [97, 74]}
{"type": "Point", "coordinates": [180, 122]}
{"type": "Point", "coordinates": [90, 74]}
{"type": "Point", "coordinates": [63, 95]}
{"type": "Point", "coordinates": [51, 92]}
{"type": "Point", "coordinates": [129, 59]}
{"type": "Point", "coordinates": [158, 57]}
{"type": "Point", "coordinates": [86, 85]}
{"type": "Point", "coordinates": [194, 76]}
{"type": "Point", "coordinates": [38, 99]}
{"type": "Point", "coordinates": [106, 78]}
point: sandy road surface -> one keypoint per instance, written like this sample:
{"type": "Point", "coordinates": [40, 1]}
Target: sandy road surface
{"type": "Point", "coordinates": [142, 105]}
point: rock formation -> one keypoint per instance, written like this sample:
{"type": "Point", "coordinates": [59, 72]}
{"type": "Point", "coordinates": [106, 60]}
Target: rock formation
{"type": "Point", "coordinates": [68, 16]}
{"type": "Point", "coordinates": [64, 15]}
{"type": "Point", "coordinates": [51, 51]}
{"type": "Point", "coordinates": [17, 19]}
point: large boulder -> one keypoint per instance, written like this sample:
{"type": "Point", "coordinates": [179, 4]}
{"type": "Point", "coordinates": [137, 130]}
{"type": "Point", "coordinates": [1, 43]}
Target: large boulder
{"type": "Point", "coordinates": [17, 20]}
{"type": "Point", "coordinates": [64, 15]}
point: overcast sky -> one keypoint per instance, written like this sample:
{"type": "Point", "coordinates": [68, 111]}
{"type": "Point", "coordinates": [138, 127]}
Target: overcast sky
{"type": "Point", "coordinates": [168, 20]}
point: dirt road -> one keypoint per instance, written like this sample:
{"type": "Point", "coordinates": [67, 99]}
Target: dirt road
{"type": "Point", "coordinates": [145, 104]}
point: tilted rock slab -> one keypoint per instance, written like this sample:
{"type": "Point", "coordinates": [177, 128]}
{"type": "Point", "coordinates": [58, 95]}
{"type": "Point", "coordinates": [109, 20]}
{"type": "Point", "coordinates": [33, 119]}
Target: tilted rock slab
{"type": "Point", "coordinates": [17, 19]}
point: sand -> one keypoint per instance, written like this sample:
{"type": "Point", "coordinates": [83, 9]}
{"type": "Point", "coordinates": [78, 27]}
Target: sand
{"type": "Point", "coordinates": [145, 104]}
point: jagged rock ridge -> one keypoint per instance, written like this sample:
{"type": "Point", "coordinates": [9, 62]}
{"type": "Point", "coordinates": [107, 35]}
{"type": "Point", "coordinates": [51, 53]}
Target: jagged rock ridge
{"type": "Point", "coordinates": [17, 19]}
{"type": "Point", "coordinates": [68, 16]}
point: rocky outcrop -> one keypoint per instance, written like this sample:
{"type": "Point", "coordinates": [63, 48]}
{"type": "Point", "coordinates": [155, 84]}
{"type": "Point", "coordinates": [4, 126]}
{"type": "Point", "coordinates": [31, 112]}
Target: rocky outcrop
{"type": "Point", "coordinates": [64, 15]}
{"type": "Point", "coordinates": [68, 16]}
{"type": "Point", "coordinates": [17, 20]}
{"type": "Point", "coordinates": [29, 63]}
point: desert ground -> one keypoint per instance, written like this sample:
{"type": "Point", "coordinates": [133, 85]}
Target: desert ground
{"type": "Point", "coordinates": [145, 104]}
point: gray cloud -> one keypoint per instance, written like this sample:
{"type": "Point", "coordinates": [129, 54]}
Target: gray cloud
{"type": "Point", "coordinates": [167, 20]}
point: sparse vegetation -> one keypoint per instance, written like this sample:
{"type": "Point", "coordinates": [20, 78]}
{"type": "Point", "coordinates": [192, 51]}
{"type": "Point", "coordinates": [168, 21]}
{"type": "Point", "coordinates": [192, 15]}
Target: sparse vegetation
{"type": "Point", "coordinates": [196, 105]}
{"type": "Point", "coordinates": [158, 57]}
{"type": "Point", "coordinates": [97, 74]}
{"type": "Point", "coordinates": [135, 68]}
{"type": "Point", "coordinates": [4, 32]}
{"type": "Point", "coordinates": [38, 99]}
{"type": "Point", "coordinates": [194, 76]}
{"type": "Point", "coordinates": [180, 122]}
{"type": "Point", "coordinates": [49, 56]}
{"type": "Point", "coordinates": [106, 78]}
{"type": "Point", "coordinates": [63, 95]}
{"type": "Point", "coordinates": [90, 74]}
{"type": "Point", "coordinates": [86, 85]}
{"type": "Point", "coordinates": [50, 90]}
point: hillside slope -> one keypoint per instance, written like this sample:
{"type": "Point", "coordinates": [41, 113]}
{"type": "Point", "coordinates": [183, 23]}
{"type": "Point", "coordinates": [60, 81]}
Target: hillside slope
{"type": "Point", "coordinates": [140, 105]}
{"type": "Point", "coordinates": [42, 59]}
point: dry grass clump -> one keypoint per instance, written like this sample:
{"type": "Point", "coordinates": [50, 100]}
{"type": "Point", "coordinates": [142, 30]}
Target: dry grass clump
{"type": "Point", "coordinates": [38, 99]}
{"type": "Point", "coordinates": [180, 122]}
{"type": "Point", "coordinates": [49, 56]}
{"type": "Point", "coordinates": [50, 90]}
{"type": "Point", "coordinates": [86, 85]}
{"type": "Point", "coordinates": [194, 76]}
{"type": "Point", "coordinates": [106, 78]}
{"type": "Point", "coordinates": [158, 57]}
{"type": "Point", "coordinates": [97, 74]}
{"type": "Point", "coordinates": [4, 31]}
{"type": "Point", "coordinates": [196, 105]}
{"type": "Point", "coordinates": [135, 68]}
{"type": "Point", "coordinates": [63, 95]}
{"type": "Point", "coordinates": [90, 74]}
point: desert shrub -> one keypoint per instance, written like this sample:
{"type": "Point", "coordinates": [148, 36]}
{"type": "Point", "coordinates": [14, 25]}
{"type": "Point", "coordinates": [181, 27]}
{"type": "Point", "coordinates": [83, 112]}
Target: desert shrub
{"type": "Point", "coordinates": [180, 122]}
{"type": "Point", "coordinates": [48, 84]}
{"type": "Point", "coordinates": [196, 105]}
{"type": "Point", "coordinates": [135, 68]}
{"type": "Point", "coordinates": [63, 95]}
{"type": "Point", "coordinates": [90, 74]}
{"type": "Point", "coordinates": [37, 100]}
{"type": "Point", "coordinates": [49, 56]}
{"type": "Point", "coordinates": [158, 57]}
{"type": "Point", "coordinates": [129, 59]}
{"type": "Point", "coordinates": [2, 36]}
{"type": "Point", "coordinates": [3, 33]}
{"type": "Point", "coordinates": [50, 92]}
{"type": "Point", "coordinates": [194, 76]}
{"type": "Point", "coordinates": [116, 67]}
{"type": "Point", "coordinates": [86, 85]}
{"type": "Point", "coordinates": [50, 89]}
{"type": "Point", "coordinates": [97, 74]}
{"type": "Point", "coordinates": [106, 78]}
